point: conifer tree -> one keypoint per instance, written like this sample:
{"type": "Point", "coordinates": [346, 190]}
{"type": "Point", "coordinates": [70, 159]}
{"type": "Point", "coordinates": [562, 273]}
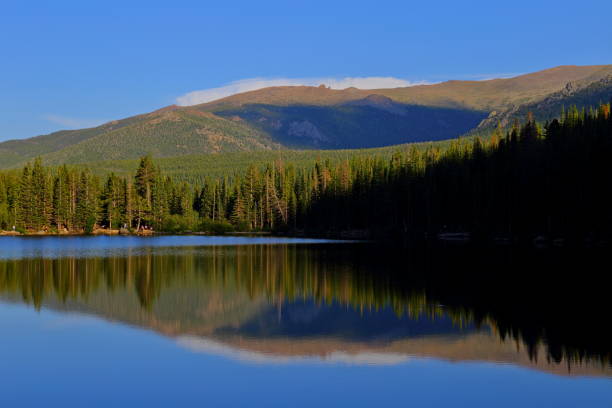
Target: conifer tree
{"type": "Point", "coordinates": [39, 212]}
{"type": "Point", "coordinates": [25, 200]}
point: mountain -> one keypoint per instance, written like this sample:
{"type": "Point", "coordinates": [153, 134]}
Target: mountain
{"type": "Point", "coordinates": [303, 117]}
{"type": "Point", "coordinates": [488, 95]}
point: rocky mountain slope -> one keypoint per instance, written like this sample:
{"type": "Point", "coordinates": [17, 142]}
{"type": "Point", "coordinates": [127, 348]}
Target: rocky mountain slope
{"type": "Point", "coordinates": [581, 95]}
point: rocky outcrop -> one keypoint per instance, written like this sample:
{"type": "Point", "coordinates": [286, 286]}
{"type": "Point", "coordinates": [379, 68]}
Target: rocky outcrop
{"type": "Point", "coordinates": [306, 130]}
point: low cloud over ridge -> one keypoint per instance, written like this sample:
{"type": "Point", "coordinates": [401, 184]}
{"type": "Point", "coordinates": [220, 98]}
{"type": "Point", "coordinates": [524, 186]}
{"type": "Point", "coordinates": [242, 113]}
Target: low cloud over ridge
{"type": "Point", "coordinates": [252, 84]}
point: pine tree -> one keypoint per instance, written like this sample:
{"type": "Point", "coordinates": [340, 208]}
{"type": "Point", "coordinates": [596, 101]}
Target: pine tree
{"type": "Point", "coordinates": [111, 216]}
{"type": "Point", "coordinates": [144, 179]}
{"type": "Point", "coordinates": [25, 200]}
{"type": "Point", "coordinates": [39, 213]}
{"type": "Point", "coordinates": [61, 199]}
{"type": "Point", "coordinates": [143, 183]}
{"type": "Point", "coordinates": [86, 203]}
{"type": "Point", "coordinates": [4, 205]}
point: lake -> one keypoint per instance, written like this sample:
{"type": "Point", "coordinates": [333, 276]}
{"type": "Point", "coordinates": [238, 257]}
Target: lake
{"type": "Point", "coordinates": [281, 322]}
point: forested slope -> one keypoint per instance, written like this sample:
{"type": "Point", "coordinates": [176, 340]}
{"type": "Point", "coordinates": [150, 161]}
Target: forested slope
{"type": "Point", "coordinates": [171, 133]}
{"type": "Point", "coordinates": [532, 181]}
{"type": "Point", "coordinates": [13, 152]}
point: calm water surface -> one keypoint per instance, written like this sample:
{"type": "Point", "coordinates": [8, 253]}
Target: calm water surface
{"type": "Point", "coordinates": [239, 321]}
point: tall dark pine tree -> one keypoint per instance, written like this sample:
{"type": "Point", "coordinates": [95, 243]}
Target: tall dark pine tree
{"type": "Point", "coordinates": [111, 202]}
{"type": "Point", "coordinates": [4, 205]}
{"type": "Point", "coordinates": [145, 176]}
{"type": "Point", "coordinates": [25, 200]}
{"type": "Point", "coordinates": [86, 203]}
{"type": "Point", "coordinates": [143, 183]}
{"type": "Point", "coordinates": [41, 207]}
{"type": "Point", "coordinates": [61, 214]}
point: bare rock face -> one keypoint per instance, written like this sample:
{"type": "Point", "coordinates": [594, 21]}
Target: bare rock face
{"type": "Point", "coordinates": [306, 130]}
{"type": "Point", "coordinates": [568, 90]}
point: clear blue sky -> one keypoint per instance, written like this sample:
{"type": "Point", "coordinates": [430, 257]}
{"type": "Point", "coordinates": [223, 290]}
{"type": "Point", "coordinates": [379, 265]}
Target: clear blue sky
{"type": "Point", "coordinates": [69, 64]}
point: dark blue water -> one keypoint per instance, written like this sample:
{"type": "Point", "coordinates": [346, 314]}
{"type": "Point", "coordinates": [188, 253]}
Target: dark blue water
{"type": "Point", "coordinates": [238, 321]}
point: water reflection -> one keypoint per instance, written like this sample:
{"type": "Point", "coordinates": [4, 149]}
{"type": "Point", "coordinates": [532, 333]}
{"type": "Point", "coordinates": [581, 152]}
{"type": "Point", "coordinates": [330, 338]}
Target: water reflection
{"type": "Point", "coordinates": [337, 303]}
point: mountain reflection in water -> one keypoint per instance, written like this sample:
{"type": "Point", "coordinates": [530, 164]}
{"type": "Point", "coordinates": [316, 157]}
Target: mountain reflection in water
{"type": "Point", "coordinates": [354, 304]}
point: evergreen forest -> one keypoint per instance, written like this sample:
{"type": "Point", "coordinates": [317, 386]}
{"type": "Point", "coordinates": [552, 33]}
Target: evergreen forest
{"type": "Point", "coordinates": [529, 180]}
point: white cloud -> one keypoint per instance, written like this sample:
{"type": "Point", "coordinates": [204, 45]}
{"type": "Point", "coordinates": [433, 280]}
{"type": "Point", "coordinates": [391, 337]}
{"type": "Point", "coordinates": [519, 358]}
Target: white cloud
{"type": "Point", "coordinates": [252, 84]}
{"type": "Point", "coordinates": [73, 123]}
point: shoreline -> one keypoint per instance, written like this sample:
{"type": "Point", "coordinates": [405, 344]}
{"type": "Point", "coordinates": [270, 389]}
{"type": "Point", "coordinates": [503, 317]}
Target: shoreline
{"type": "Point", "coordinates": [76, 233]}
{"type": "Point", "coordinates": [444, 239]}
{"type": "Point", "coordinates": [128, 233]}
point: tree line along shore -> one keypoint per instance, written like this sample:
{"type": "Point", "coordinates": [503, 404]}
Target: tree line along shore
{"type": "Point", "coordinates": [548, 181]}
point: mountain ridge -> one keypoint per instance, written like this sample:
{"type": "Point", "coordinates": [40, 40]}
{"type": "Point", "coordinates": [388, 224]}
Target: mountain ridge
{"type": "Point", "coordinates": [306, 117]}
{"type": "Point", "coordinates": [543, 82]}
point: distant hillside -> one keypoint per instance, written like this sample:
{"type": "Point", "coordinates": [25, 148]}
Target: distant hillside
{"type": "Point", "coordinates": [16, 151]}
{"type": "Point", "coordinates": [319, 118]}
{"type": "Point", "coordinates": [167, 133]}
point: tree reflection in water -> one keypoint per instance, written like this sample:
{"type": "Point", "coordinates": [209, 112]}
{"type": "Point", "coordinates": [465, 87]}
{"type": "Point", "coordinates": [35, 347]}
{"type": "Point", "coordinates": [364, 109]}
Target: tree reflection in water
{"type": "Point", "coordinates": [318, 298]}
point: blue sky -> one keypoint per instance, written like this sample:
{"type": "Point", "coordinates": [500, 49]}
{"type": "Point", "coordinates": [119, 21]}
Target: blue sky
{"type": "Point", "coordinates": [68, 64]}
